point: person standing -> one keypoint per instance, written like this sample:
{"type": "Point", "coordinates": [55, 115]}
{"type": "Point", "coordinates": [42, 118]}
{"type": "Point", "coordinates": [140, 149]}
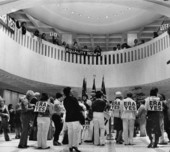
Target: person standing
{"type": "Point", "coordinates": [167, 118]}
{"type": "Point", "coordinates": [5, 118]}
{"type": "Point", "coordinates": [153, 107]}
{"type": "Point", "coordinates": [118, 126]}
{"type": "Point", "coordinates": [142, 118]}
{"type": "Point", "coordinates": [72, 119]}
{"type": "Point", "coordinates": [32, 98]}
{"type": "Point", "coordinates": [17, 120]}
{"type": "Point", "coordinates": [162, 140]}
{"type": "Point", "coordinates": [98, 107]}
{"type": "Point", "coordinates": [43, 121]}
{"type": "Point", "coordinates": [12, 116]}
{"type": "Point", "coordinates": [129, 111]}
{"type": "Point", "coordinates": [25, 121]}
{"type": "Point", "coordinates": [57, 118]}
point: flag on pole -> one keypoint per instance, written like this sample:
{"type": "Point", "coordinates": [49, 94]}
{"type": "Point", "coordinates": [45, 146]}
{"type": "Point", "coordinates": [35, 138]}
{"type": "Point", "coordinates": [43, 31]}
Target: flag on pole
{"type": "Point", "coordinates": [84, 87]}
{"type": "Point", "coordinates": [103, 89]}
{"type": "Point", "coordinates": [94, 86]}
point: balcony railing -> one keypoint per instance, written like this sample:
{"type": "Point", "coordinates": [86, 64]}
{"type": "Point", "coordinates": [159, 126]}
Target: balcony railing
{"type": "Point", "coordinates": [107, 58]}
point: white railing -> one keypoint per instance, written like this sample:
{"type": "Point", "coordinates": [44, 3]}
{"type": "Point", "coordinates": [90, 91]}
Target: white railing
{"type": "Point", "coordinates": [107, 58]}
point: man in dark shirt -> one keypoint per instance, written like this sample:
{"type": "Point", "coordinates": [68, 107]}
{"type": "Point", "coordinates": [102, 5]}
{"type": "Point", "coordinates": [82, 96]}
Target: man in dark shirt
{"type": "Point", "coordinates": [98, 107]}
{"type": "Point", "coordinates": [72, 119]}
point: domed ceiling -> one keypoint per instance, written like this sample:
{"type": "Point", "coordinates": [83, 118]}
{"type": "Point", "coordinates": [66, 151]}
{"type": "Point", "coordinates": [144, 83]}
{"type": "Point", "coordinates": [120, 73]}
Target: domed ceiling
{"type": "Point", "coordinates": [94, 22]}
{"type": "Point", "coordinates": [94, 18]}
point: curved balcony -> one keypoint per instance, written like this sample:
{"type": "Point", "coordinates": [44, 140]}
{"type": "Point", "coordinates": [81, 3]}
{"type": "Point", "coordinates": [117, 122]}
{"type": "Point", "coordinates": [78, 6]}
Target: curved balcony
{"type": "Point", "coordinates": [27, 57]}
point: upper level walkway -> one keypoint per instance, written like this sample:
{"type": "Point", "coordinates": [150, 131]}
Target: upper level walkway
{"type": "Point", "coordinates": [27, 57]}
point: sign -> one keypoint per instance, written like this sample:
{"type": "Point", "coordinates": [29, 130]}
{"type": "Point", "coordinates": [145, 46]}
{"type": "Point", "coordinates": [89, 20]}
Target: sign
{"type": "Point", "coordinates": [11, 24]}
{"type": "Point", "coordinates": [155, 105]}
{"type": "Point", "coordinates": [116, 105]}
{"type": "Point", "coordinates": [164, 27]}
{"type": "Point", "coordinates": [7, 22]}
{"type": "Point", "coordinates": [53, 34]}
{"type": "Point", "coordinates": [40, 106]}
{"type": "Point", "coordinates": [129, 106]}
{"type": "Point", "coordinates": [4, 19]}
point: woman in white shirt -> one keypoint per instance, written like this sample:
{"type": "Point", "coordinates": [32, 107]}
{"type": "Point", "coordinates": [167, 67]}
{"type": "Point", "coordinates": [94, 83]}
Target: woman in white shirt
{"type": "Point", "coordinates": [128, 110]}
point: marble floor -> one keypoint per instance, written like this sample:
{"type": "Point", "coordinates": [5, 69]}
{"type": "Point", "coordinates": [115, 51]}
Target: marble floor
{"type": "Point", "coordinates": [140, 146]}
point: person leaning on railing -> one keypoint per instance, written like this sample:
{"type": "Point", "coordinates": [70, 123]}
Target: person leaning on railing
{"type": "Point", "coordinates": [97, 50]}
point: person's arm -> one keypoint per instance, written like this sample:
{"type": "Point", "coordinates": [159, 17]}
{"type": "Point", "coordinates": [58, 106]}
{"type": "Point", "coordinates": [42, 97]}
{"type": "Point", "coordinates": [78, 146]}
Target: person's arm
{"type": "Point", "coordinates": [140, 110]}
{"type": "Point", "coordinates": [51, 108]}
{"type": "Point", "coordinates": [25, 108]}
{"type": "Point", "coordinates": [146, 104]}
{"type": "Point", "coordinates": [121, 107]}
{"type": "Point", "coordinates": [136, 111]}
{"type": "Point", "coordinates": [77, 106]}
{"type": "Point", "coordinates": [6, 113]}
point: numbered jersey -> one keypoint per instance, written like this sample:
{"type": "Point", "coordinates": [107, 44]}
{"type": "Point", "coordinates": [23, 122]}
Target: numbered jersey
{"type": "Point", "coordinates": [153, 104]}
{"type": "Point", "coordinates": [129, 105]}
{"type": "Point", "coordinates": [116, 104]}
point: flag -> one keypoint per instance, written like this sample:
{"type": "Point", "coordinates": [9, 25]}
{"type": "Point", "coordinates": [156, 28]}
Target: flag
{"type": "Point", "coordinates": [103, 89]}
{"type": "Point", "coordinates": [94, 86]}
{"type": "Point", "coordinates": [84, 87]}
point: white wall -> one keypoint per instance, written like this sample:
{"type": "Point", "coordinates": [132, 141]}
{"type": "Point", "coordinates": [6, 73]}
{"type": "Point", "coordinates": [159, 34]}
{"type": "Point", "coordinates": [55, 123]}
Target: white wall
{"type": "Point", "coordinates": [25, 63]}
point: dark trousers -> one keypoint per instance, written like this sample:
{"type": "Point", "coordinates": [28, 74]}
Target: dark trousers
{"type": "Point", "coordinates": [156, 138]}
{"type": "Point", "coordinates": [58, 126]}
{"type": "Point", "coordinates": [5, 128]}
{"type": "Point", "coordinates": [153, 127]}
{"type": "Point", "coordinates": [25, 120]}
{"type": "Point", "coordinates": [167, 127]}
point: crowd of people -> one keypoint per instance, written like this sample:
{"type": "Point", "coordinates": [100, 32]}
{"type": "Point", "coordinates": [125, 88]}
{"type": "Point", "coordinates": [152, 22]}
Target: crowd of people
{"type": "Point", "coordinates": [75, 48]}
{"type": "Point", "coordinates": [85, 119]}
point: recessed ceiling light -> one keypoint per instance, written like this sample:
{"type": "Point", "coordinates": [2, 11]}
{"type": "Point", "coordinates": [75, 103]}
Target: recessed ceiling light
{"type": "Point", "coordinates": [88, 17]}
{"type": "Point", "coordinates": [72, 12]}
{"type": "Point", "coordinates": [107, 16]}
